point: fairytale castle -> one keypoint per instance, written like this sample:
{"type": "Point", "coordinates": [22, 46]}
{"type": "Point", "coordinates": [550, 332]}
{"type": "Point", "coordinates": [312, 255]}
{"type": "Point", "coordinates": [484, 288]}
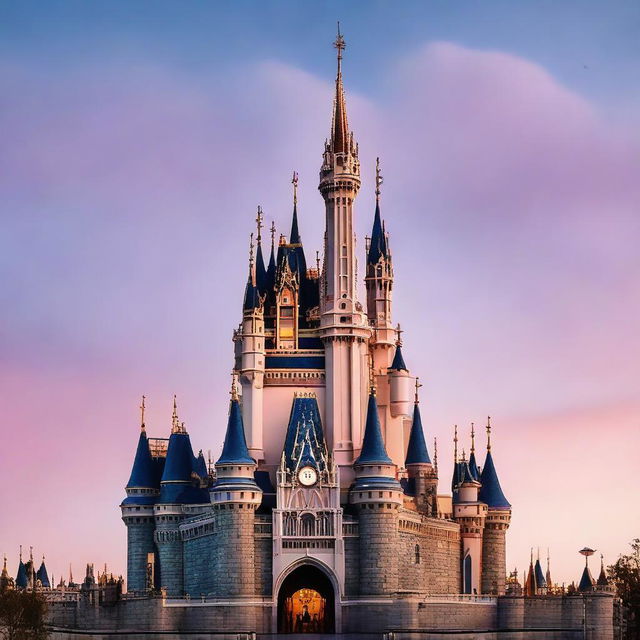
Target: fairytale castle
{"type": "Point", "coordinates": [323, 512]}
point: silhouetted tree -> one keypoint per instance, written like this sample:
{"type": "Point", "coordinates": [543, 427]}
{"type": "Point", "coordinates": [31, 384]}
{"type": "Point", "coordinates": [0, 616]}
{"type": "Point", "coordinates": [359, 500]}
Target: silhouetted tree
{"type": "Point", "coordinates": [625, 575]}
{"type": "Point", "coordinates": [22, 615]}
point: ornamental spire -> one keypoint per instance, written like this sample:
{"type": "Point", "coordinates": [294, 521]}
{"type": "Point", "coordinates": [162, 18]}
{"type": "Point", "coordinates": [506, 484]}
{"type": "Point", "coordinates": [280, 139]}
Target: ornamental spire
{"type": "Point", "coordinates": [175, 425]}
{"type": "Point", "coordinates": [340, 127]}
{"type": "Point", "coordinates": [294, 237]}
{"type": "Point", "coordinates": [455, 444]}
{"type": "Point", "coordinates": [378, 180]}
{"type": "Point", "coordinates": [488, 433]}
{"type": "Point", "coordinates": [142, 407]}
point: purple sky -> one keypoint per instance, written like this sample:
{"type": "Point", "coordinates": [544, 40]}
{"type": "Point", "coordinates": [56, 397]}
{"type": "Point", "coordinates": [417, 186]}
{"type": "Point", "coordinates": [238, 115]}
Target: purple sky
{"type": "Point", "coordinates": [127, 195]}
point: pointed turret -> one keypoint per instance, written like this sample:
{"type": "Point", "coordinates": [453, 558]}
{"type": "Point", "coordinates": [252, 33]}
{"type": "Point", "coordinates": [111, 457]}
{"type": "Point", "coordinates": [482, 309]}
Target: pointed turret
{"type": "Point", "coordinates": [491, 493]}
{"type": "Point", "coordinates": [271, 269]}
{"type": "Point", "coordinates": [43, 576]}
{"type": "Point", "coordinates": [339, 124]}
{"type": "Point", "coordinates": [373, 449]}
{"type": "Point", "coordinates": [294, 237]}
{"type": "Point", "coordinates": [143, 472]}
{"type": "Point", "coordinates": [540, 579]}
{"type": "Point", "coordinates": [398, 360]}
{"type": "Point", "coordinates": [261, 272]}
{"type": "Point", "coordinates": [586, 580]}
{"type": "Point", "coordinates": [602, 581]}
{"type": "Point", "coordinates": [417, 449]}
{"type": "Point", "coordinates": [473, 465]}
{"type": "Point", "coordinates": [251, 293]}
{"type": "Point", "coordinates": [378, 247]}
{"type": "Point", "coordinates": [399, 378]}
{"type": "Point", "coordinates": [234, 450]}
{"type": "Point", "coordinates": [22, 581]}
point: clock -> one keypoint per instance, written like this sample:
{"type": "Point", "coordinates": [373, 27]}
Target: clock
{"type": "Point", "coordinates": [307, 476]}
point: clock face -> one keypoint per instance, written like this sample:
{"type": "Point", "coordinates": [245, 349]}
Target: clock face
{"type": "Point", "coordinates": [307, 476]}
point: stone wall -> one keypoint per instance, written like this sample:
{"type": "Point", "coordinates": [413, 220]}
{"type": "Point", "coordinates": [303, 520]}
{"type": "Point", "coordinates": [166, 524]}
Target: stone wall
{"type": "Point", "coordinates": [351, 565]}
{"type": "Point", "coordinates": [199, 565]}
{"type": "Point", "coordinates": [263, 565]}
{"type": "Point", "coordinates": [235, 550]}
{"type": "Point", "coordinates": [170, 555]}
{"type": "Point", "coordinates": [438, 542]}
{"type": "Point", "coordinates": [139, 544]}
{"type": "Point", "coordinates": [494, 559]}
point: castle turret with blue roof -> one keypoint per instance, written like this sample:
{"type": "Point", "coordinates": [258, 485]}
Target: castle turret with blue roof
{"type": "Point", "coordinates": [494, 569]}
{"type": "Point", "coordinates": [422, 481]}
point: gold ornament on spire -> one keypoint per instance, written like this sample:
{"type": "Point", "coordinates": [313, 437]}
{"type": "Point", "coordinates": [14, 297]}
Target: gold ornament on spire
{"type": "Point", "coordinates": [418, 385]}
{"type": "Point", "coordinates": [379, 179]}
{"type": "Point", "coordinates": [175, 425]}
{"type": "Point", "coordinates": [273, 233]}
{"type": "Point", "coordinates": [473, 439]}
{"type": "Point", "coordinates": [455, 444]}
{"type": "Point", "coordinates": [399, 332]}
{"type": "Point", "coordinates": [251, 251]}
{"type": "Point", "coordinates": [142, 407]}
{"type": "Point", "coordinates": [294, 182]}
{"type": "Point", "coordinates": [372, 378]}
{"type": "Point", "coordinates": [435, 455]}
{"type": "Point", "coordinates": [340, 45]}
{"type": "Point", "coordinates": [259, 219]}
{"type": "Point", "coordinates": [234, 386]}
{"type": "Point", "coordinates": [488, 433]}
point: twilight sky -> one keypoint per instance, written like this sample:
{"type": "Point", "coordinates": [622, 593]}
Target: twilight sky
{"type": "Point", "coordinates": [137, 139]}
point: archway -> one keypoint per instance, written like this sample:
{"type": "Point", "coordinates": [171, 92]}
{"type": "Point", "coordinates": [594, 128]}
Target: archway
{"type": "Point", "coordinates": [306, 602]}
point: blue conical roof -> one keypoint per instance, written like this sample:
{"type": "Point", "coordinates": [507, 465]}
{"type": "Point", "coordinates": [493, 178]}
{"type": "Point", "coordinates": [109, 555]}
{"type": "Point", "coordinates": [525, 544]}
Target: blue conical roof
{"type": "Point", "coordinates": [373, 449]}
{"type": "Point", "coordinates": [235, 449]}
{"type": "Point", "coordinates": [294, 238]}
{"type": "Point", "coordinates": [43, 576]}
{"type": "Point", "coordinates": [177, 485]}
{"type": "Point", "coordinates": [143, 473]}
{"type": "Point", "coordinates": [271, 271]}
{"type": "Point", "coordinates": [261, 272]}
{"type": "Point", "coordinates": [458, 473]}
{"type": "Point", "coordinates": [378, 246]}
{"type": "Point", "coordinates": [491, 492]}
{"type": "Point", "coordinates": [467, 477]}
{"type": "Point", "coordinates": [251, 295]}
{"type": "Point", "coordinates": [417, 450]}
{"type": "Point", "coordinates": [540, 579]}
{"type": "Point", "coordinates": [22, 580]}
{"type": "Point", "coordinates": [473, 466]}
{"type": "Point", "coordinates": [586, 581]}
{"type": "Point", "coordinates": [398, 361]}
{"type": "Point", "coordinates": [200, 466]}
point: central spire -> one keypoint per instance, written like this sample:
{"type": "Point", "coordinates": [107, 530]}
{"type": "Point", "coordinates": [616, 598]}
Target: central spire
{"type": "Point", "coordinates": [339, 126]}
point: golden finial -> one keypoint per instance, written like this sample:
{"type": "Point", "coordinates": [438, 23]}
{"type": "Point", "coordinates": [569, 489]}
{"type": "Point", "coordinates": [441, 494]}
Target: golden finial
{"type": "Point", "coordinates": [464, 455]}
{"type": "Point", "coordinates": [273, 233]}
{"type": "Point", "coordinates": [174, 416]}
{"type": "Point", "coordinates": [20, 553]}
{"type": "Point", "coordinates": [488, 433]}
{"type": "Point", "coordinates": [455, 443]}
{"type": "Point", "coordinates": [318, 262]}
{"type": "Point", "coordinates": [473, 439]}
{"type": "Point", "coordinates": [378, 179]}
{"type": "Point", "coordinates": [372, 378]}
{"type": "Point", "coordinates": [251, 251]}
{"type": "Point", "coordinates": [31, 554]}
{"type": "Point", "coordinates": [399, 333]}
{"type": "Point", "coordinates": [435, 455]}
{"type": "Point", "coordinates": [340, 45]}
{"type": "Point", "coordinates": [142, 407]}
{"type": "Point", "coordinates": [234, 386]}
{"type": "Point", "coordinates": [259, 219]}
{"type": "Point", "coordinates": [294, 182]}
{"type": "Point", "coordinates": [418, 385]}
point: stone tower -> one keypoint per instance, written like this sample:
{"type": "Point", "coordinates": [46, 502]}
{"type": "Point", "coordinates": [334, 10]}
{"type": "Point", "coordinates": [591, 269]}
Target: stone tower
{"type": "Point", "coordinates": [138, 514]}
{"type": "Point", "coordinates": [235, 497]}
{"type": "Point", "coordinates": [378, 496]}
{"type": "Point", "coordinates": [494, 564]}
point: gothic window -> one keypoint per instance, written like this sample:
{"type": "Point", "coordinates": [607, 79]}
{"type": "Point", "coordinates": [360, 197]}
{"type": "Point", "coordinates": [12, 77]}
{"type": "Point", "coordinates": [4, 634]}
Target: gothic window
{"type": "Point", "coordinates": [417, 552]}
{"type": "Point", "coordinates": [308, 525]}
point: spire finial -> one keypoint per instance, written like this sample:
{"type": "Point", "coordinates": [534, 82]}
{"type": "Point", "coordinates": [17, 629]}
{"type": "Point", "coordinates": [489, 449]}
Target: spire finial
{"type": "Point", "coordinates": [418, 385]}
{"type": "Point", "coordinates": [234, 386]}
{"type": "Point", "coordinates": [473, 439]}
{"type": "Point", "coordinates": [399, 332]}
{"type": "Point", "coordinates": [20, 553]}
{"type": "Point", "coordinates": [175, 426]}
{"type": "Point", "coordinates": [259, 219]}
{"type": "Point", "coordinates": [340, 45]}
{"type": "Point", "coordinates": [251, 252]}
{"type": "Point", "coordinates": [294, 182]}
{"type": "Point", "coordinates": [318, 262]}
{"type": "Point", "coordinates": [464, 455]}
{"type": "Point", "coordinates": [31, 554]}
{"type": "Point", "coordinates": [435, 454]}
{"type": "Point", "coordinates": [273, 233]}
{"type": "Point", "coordinates": [142, 407]}
{"type": "Point", "coordinates": [488, 433]}
{"type": "Point", "coordinates": [378, 179]}
{"type": "Point", "coordinates": [372, 378]}
{"type": "Point", "coordinates": [455, 443]}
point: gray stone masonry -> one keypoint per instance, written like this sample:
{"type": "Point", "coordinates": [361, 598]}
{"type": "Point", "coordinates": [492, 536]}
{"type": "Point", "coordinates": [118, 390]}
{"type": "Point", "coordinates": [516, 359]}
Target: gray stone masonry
{"type": "Point", "coordinates": [352, 565]}
{"type": "Point", "coordinates": [494, 569]}
{"type": "Point", "coordinates": [170, 555]}
{"type": "Point", "coordinates": [263, 565]}
{"type": "Point", "coordinates": [139, 544]}
{"type": "Point", "coordinates": [199, 567]}
{"type": "Point", "coordinates": [378, 526]}
{"type": "Point", "coordinates": [235, 550]}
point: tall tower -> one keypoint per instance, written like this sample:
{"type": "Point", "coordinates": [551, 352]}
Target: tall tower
{"type": "Point", "coordinates": [494, 563]}
{"type": "Point", "coordinates": [343, 325]}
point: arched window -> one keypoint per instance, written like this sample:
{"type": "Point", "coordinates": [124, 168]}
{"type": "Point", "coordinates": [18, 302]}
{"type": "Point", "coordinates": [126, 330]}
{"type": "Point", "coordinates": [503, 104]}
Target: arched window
{"type": "Point", "coordinates": [417, 552]}
{"type": "Point", "coordinates": [308, 525]}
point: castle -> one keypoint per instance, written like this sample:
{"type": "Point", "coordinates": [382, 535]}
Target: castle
{"type": "Point", "coordinates": [322, 513]}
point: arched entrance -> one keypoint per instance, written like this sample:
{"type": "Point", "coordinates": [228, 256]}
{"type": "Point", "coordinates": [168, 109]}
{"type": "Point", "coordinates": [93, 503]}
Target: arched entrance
{"type": "Point", "coordinates": [306, 602]}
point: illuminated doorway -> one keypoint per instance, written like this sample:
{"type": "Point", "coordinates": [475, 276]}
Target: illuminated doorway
{"type": "Point", "coordinates": [306, 602]}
